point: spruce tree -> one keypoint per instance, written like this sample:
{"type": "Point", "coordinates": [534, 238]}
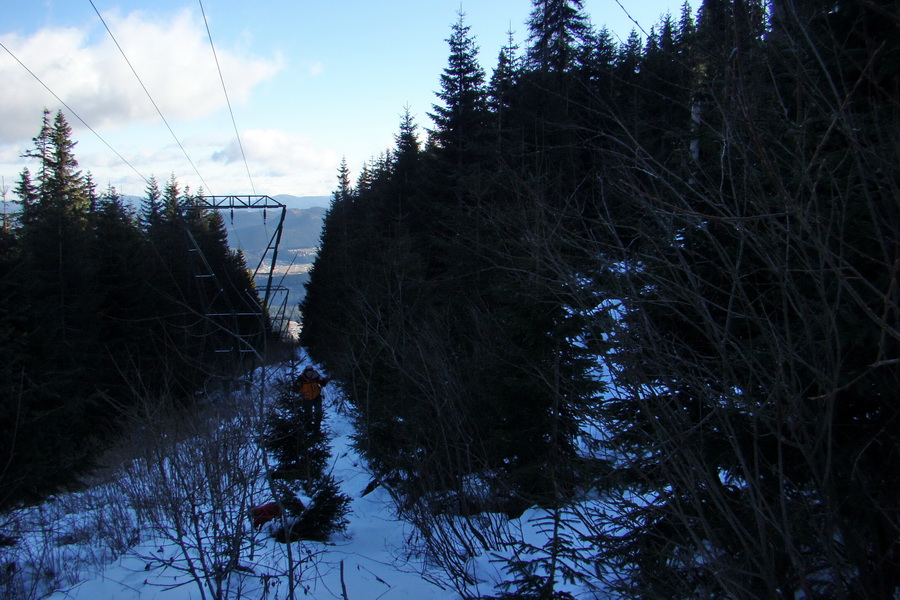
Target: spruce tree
{"type": "Point", "coordinates": [151, 206]}
{"type": "Point", "coordinates": [301, 454]}
{"type": "Point", "coordinates": [502, 84]}
{"type": "Point", "coordinates": [119, 270]}
{"type": "Point", "coordinates": [460, 121]}
{"type": "Point", "coordinates": [556, 29]}
{"type": "Point", "coordinates": [52, 403]}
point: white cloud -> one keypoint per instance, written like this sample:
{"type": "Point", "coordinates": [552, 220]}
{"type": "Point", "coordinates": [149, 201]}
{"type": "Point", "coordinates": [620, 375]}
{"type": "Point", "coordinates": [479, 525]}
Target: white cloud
{"type": "Point", "coordinates": [317, 68]}
{"type": "Point", "coordinates": [10, 155]}
{"type": "Point", "coordinates": [278, 149]}
{"type": "Point", "coordinates": [172, 56]}
{"type": "Point", "coordinates": [279, 162]}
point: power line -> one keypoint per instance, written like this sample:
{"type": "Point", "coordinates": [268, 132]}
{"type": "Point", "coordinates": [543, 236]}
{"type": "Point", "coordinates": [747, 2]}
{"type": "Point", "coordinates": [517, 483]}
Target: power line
{"type": "Point", "coordinates": [72, 111]}
{"type": "Point", "coordinates": [227, 100]}
{"type": "Point", "coordinates": [628, 14]}
{"type": "Point", "coordinates": [146, 91]}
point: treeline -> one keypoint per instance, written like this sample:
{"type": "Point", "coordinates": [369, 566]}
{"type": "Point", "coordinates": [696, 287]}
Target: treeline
{"type": "Point", "coordinates": [107, 313]}
{"type": "Point", "coordinates": [664, 271]}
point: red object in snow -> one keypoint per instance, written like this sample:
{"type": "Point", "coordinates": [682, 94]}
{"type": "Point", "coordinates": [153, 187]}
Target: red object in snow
{"type": "Point", "coordinates": [260, 515]}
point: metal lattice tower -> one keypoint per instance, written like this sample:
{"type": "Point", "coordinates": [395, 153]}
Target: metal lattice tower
{"type": "Point", "coordinates": [264, 203]}
{"type": "Point", "coordinates": [269, 256]}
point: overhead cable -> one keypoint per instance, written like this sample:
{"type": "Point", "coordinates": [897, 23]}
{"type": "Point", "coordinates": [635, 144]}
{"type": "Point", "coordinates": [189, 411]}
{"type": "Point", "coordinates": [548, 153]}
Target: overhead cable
{"type": "Point", "coordinates": [632, 19]}
{"type": "Point", "coordinates": [72, 111]}
{"type": "Point", "coordinates": [227, 100]}
{"type": "Point", "coordinates": [146, 91]}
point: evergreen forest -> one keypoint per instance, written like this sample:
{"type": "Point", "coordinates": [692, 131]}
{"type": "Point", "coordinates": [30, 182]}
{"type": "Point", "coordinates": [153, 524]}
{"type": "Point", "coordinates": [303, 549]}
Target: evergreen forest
{"type": "Point", "coordinates": [659, 273]}
{"type": "Point", "coordinates": [109, 315]}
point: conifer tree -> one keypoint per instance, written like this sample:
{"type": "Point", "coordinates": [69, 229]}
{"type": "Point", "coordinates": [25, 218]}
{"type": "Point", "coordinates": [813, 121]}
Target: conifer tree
{"type": "Point", "coordinates": [118, 272]}
{"type": "Point", "coordinates": [151, 206]}
{"type": "Point", "coordinates": [556, 29]}
{"type": "Point", "coordinates": [503, 78]}
{"type": "Point", "coordinates": [405, 168]}
{"type": "Point", "coordinates": [51, 400]}
{"type": "Point", "coordinates": [750, 368]}
{"type": "Point", "coordinates": [344, 192]}
{"type": "Point", "coordinates": [54, 233]}
{"type": "Point", "coordinates": [301, 454]}
{"type": "Point", "coordinates": [550, 102]}
{"type": "Point", "coordinates": [461, 118]}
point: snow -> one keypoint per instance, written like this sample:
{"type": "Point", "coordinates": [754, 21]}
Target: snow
{"type": "Point", "coordinates": [94, 544]}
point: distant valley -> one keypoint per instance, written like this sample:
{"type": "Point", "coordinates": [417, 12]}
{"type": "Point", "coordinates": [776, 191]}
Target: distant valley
{"type": "Point", "coordinates": [252, 231]}
{"type": "Point", "coordinates": [303, 202]}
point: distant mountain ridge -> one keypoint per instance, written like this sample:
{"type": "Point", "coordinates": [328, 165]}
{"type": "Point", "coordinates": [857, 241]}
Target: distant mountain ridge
{"type": "Point", "coordinates": [251, 230]}
{"type": "Point", "coordinates": [290, 201]}
{"type": "Point", "coordinates": [303, 202]}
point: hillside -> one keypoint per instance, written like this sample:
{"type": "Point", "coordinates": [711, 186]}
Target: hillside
{"type": "Point", "coordinates": [303, 202]}
{"type": "Point", "coordinates": [135, 534]}
{"type": "Point", "coordinates": [251, 232]}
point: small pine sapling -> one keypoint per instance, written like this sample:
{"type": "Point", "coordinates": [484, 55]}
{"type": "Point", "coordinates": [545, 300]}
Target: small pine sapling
{"type": "Point", "coordinates": [301, 454]}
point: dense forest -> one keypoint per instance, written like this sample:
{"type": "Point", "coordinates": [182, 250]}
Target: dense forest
{"type": "Point", "coordinates": [662, 274]}
{"type": "Point", "coordinates": [109, 314]}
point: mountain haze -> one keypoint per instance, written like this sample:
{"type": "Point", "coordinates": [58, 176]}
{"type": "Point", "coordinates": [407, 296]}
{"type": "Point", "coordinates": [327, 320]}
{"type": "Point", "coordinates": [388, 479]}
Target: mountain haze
{"type": "Point", "coordinates": [302, 202]}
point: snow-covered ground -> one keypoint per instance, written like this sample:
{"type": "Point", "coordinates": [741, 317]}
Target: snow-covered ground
{"type": "Point", "coordinates": [119, 542]}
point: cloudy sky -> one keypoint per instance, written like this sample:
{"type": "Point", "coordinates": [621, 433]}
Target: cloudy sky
{"type": "Point", "coordinates": [309, 82]}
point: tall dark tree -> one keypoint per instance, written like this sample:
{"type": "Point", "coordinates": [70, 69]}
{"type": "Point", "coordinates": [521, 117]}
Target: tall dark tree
{"type": "Point", "coordinates": [54, 233]}
{"type": "Point", "coordinates": [501, 91]}
{"type": "Point", "coordinates": [118, 272]}
{"type": "Point", "coordinates": [320, 307]}
{"type": "Point", "coordinates": [405, 168]}
{"type": "Point", "coordinates": [463, 112]}
{"type": "Point", "coordinates": [151, 206]}
{"type": "Point", "coordinates": [665, 93]}
{"type": "Point", "coordinates": [550, 102]}
{"type": "Point", "coordinates": [51, 401]}
{"type": "Point", "coordinates": [757, 388]}
{"type": "Point", "coordinates": [460, 120]}
{"type": "Point", "coordinates": [556, 29]}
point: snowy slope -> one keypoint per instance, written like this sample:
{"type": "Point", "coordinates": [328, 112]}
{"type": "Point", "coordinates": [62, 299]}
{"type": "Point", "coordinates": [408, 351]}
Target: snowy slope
{"type": "Point", "coordinates": [367, 561]}
{"type": "Point", "coordinates": [95, 544]}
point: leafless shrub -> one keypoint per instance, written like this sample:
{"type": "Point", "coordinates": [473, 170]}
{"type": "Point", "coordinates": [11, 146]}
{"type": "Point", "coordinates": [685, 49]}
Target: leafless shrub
{"type": "Point", "coordinates": [51, 544]}
{"type": "Point", "coordinates": [755, 357]}
{"type": "Point", "coordinates": [192, 484]}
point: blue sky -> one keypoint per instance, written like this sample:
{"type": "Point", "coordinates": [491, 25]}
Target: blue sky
{"type": "Point", "coordinates": [309, 82]}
